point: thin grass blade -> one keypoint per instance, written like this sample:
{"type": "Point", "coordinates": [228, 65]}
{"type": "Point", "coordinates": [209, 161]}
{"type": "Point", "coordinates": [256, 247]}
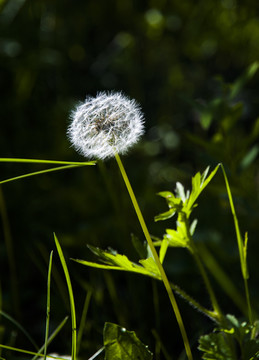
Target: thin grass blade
{"type": "Point", "coordinates": [48, 306]}
{"type": "Point", "coordinates": [40, 172]}
{"type": "Point", "coordinates": [38, 161]}
{"type": "Point", "coordinates": [71, 297]}
{"type": "Point", "coordinates": [83, 318]}
{"type": "Point", "coordinates": [52, 336]}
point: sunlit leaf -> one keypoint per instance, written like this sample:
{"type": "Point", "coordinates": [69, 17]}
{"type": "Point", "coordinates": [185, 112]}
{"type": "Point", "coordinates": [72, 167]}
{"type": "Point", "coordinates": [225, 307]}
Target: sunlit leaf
{"type": "Point", "coordinates": [121, 344]}
{"type": "Point", "coordinates": [174, 203]}
{"type": "Point", "coordinates": [166, 215]}
{"type": "Point", "coordinates": [163, 250]}
{"type": "Point", "coordinates": [114, 261]}
{"type": "Point", "coordinates": [150, 265]}
{"type": "Point", "coordinates": [176, 238]}
{"type": "Point", "coordinates": [199, 182]}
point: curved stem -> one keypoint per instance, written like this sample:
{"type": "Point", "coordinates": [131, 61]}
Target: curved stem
{"type": "Point", "coordinates": [242, 247]}
{"type": "Point", "coordinates": [206, 280]}
{"type": "Point", "coordinates": [156, 258]}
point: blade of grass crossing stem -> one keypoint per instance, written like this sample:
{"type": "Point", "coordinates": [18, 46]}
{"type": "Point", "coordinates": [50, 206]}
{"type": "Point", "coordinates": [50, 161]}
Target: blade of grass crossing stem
{"type": "Point", "coordinates": [242, 246]}
{"type": "Point", "coordinates": [71, 297]}
{"type": "Point", "coordinates": [52, 336]}
{"type": "Point", "coordinates": [156, 258]}
{"type": "Point", "coordinates": [48, 306]}
{"type": "Point", "coordinates": [83, 318]}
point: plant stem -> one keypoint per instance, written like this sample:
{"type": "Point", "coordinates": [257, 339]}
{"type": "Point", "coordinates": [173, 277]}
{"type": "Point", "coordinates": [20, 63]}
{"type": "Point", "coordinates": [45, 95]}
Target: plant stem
{"type": "Point", "coordinates": [156, 258]}
{"type": "Point", "coordinates": [206, 280]}
{"type": "Point", "coordinates": [242, 247]}
{"type": "Point", "coordinates": [192, 248]}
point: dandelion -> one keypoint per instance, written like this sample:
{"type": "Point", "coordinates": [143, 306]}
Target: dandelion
{"type": "Point", "coordinates": [106, 124]}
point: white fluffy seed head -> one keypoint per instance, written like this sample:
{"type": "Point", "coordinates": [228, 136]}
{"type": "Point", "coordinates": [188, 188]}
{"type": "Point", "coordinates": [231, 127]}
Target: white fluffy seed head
{"type": "Point", "coordinates": [105, 124]}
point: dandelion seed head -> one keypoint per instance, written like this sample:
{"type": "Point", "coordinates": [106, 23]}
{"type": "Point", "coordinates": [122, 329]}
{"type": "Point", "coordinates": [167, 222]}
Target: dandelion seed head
{"type": "Point", "coordinates": [105, 124]}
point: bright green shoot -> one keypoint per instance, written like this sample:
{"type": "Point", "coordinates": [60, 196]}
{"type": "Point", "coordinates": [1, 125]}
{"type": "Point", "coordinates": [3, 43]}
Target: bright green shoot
{"type": "Point", "coordinates": [71, 297]}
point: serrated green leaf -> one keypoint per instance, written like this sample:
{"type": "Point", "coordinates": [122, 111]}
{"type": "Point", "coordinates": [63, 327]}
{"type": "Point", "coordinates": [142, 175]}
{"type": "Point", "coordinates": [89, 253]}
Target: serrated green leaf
{"type": "Point", "coordinates": [114, 261]}
{"type": "Point", "coordinates": [215, 347]}
{"type": "Point", "coordinates": [121, 344]}
{"type": "Point", "coordinates": [199, 182]}
{"type": "Point", "coordinates": [150, 265]}
{"type": "Point", "coordinates": [218, 346]}
{"type": "Point", "coordinates": [177, 238]}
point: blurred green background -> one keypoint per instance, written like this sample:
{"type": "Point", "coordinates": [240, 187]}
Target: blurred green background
{"type": "Point", "coordinates": [192, 67]}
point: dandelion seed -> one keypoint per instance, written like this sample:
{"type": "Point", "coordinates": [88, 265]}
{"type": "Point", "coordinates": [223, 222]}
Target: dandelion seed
{"type": "Point", "coordinates": [107, 124]}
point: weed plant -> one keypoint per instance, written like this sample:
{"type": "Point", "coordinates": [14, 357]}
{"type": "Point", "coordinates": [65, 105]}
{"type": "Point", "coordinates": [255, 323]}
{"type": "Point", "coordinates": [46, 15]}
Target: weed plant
{"type": "Point", "coordinates": [105, 127]}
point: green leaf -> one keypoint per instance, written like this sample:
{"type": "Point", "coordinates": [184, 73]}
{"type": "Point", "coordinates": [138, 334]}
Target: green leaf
{"type": "Point", "coordinates": [174, 203]}
{"type": "Point", "coordinates": [220, 345]}
{"type": "Point", "coordinates": [199, 182]}
{"type": "Point", "coordinates": [177, 238]}
{"type": "Point", "coordinates": [114, 261]}
{"type": "Point", "coordinates": [166, 215]}
{"type": "Point", "coordinates": [163, 250]}
{"type": "Point", "coordinates": [121, 344]}
{"type": "Point", "coordinates": [151, 266]}
{"type": "Point", "coordinates": [215, 347]}
{"type": "Point", "coordinates": [140, 247]}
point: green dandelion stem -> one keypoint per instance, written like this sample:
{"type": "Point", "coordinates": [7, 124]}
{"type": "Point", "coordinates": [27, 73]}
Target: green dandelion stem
{"type": "Point", "coordinates": [156, 258]}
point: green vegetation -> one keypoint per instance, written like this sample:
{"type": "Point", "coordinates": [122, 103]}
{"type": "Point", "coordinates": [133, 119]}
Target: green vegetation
{"type": "Point", "coordinates": [193, 67]}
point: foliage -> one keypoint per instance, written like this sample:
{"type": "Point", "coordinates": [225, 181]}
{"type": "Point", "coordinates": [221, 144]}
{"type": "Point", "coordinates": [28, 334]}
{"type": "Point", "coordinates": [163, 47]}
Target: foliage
{"type": "Point", "coordinates": [120, 343]}
{"type": "Point", "coordinates": [217, 345]}
{"type": "Point", "coordinates": [191, 67]}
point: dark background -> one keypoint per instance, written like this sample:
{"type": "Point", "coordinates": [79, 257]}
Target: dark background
{"type": "Point", "coordinates": [186, 63]}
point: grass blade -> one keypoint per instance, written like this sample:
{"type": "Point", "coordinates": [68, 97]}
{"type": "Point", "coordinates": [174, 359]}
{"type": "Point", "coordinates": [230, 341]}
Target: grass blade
{"type": "Point", "coordinates": [40, 172]}
{"type": "Point", "coordinates": [71, 297]}
{"type": "Point", "coordinates": [242, 247]}
{"type": "Point", "coordinates": [38, 161]}
{"type": "Point", "coordinates": [52, 336]}
{"type": "Point", "coordinates": [48, 306]}
{"type": "Point", "coordinates": [83, 318]}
